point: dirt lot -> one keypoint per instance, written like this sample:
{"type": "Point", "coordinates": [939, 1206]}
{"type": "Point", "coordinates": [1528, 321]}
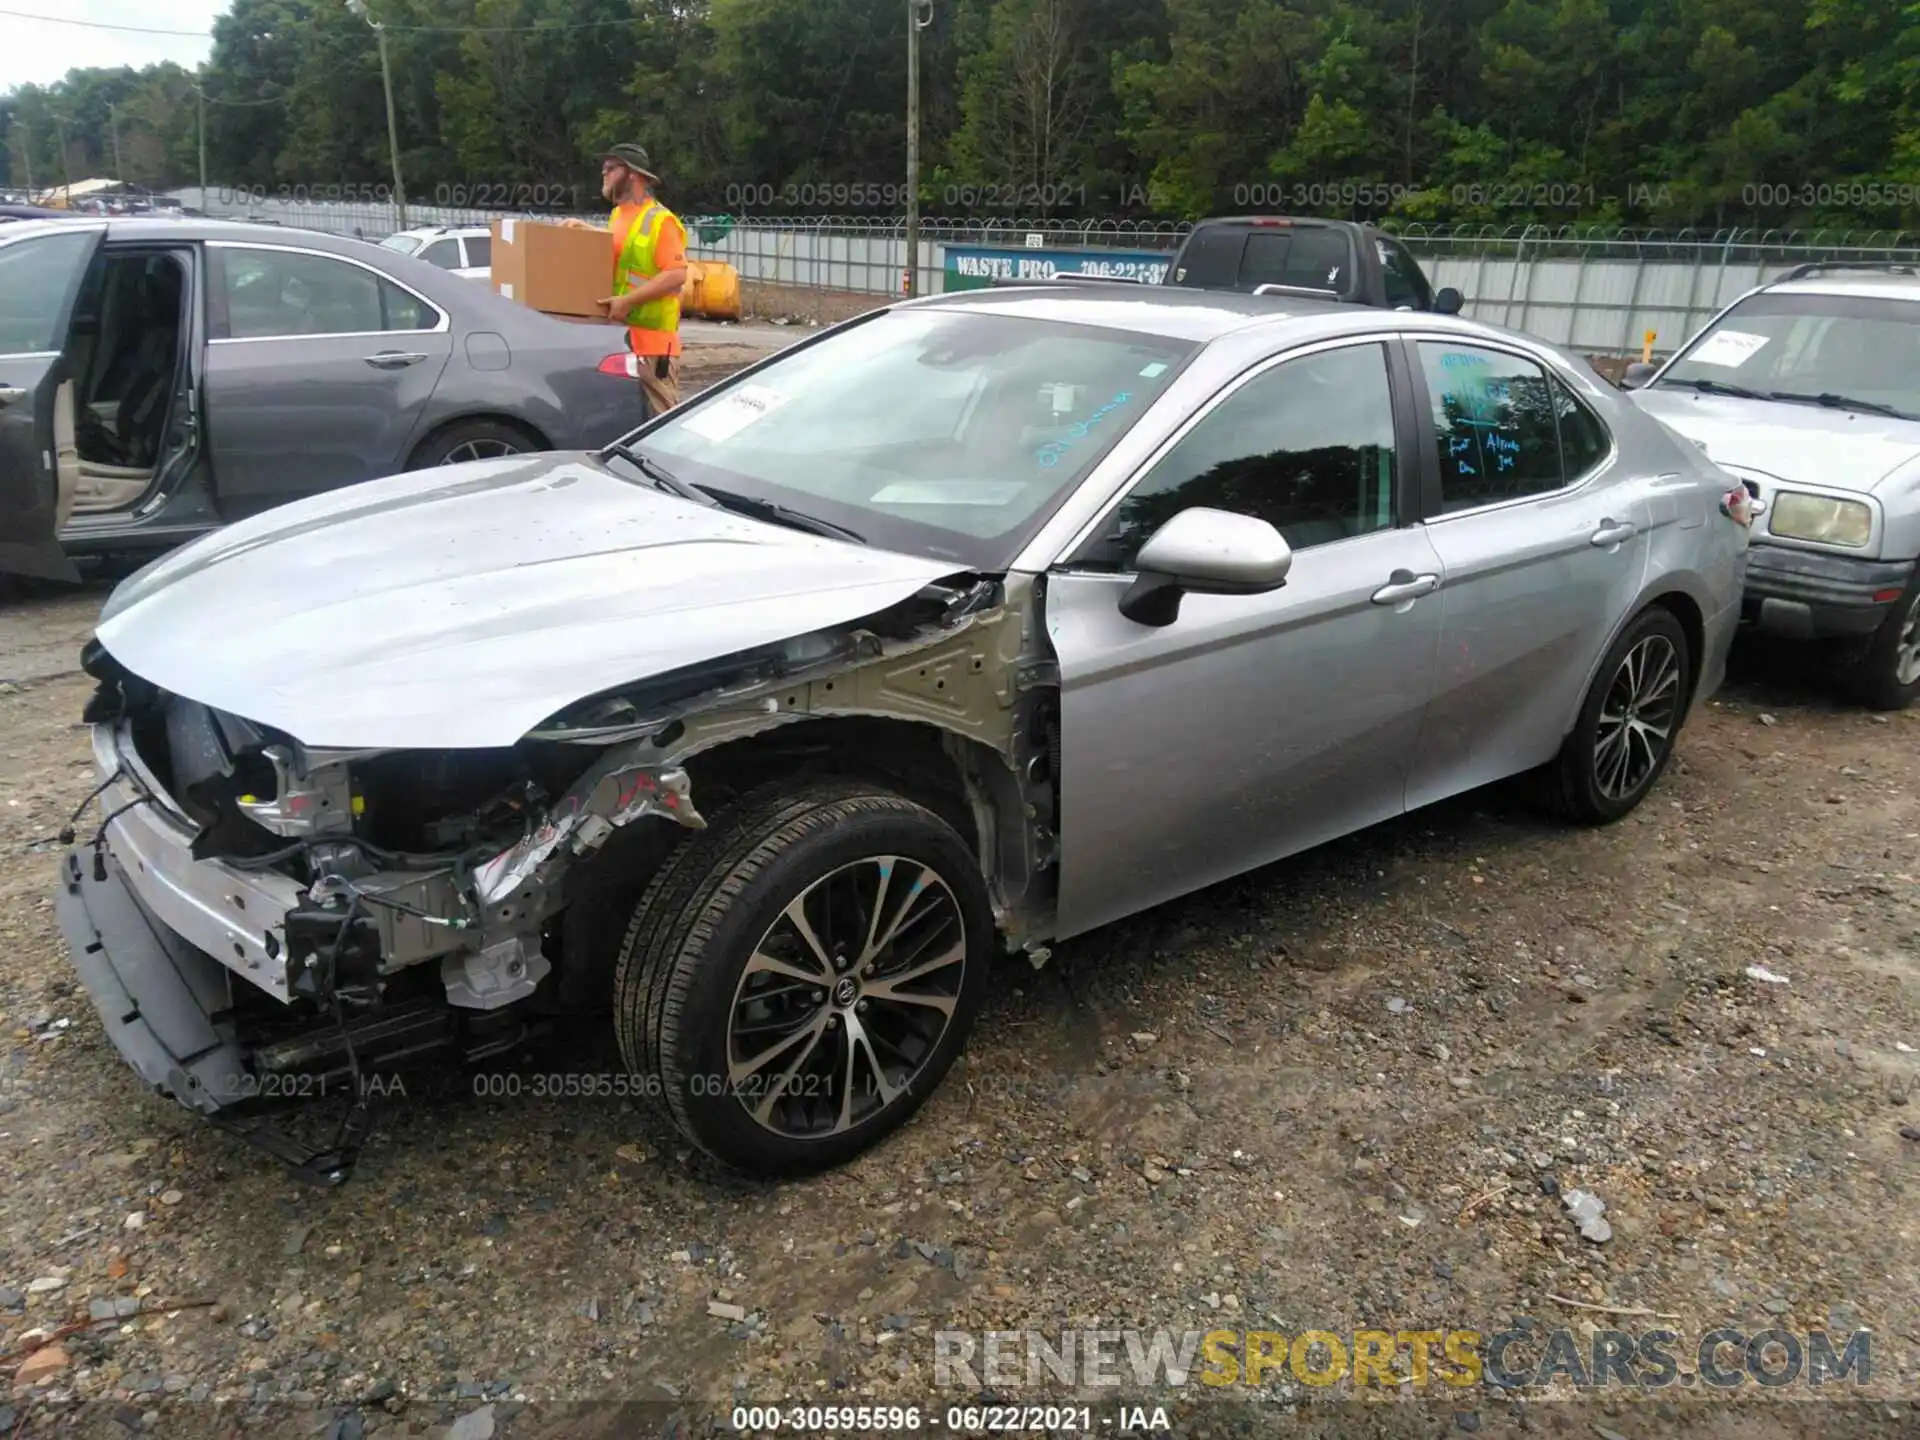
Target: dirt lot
{"type": "Point", "coordinates": [1348, 1091]}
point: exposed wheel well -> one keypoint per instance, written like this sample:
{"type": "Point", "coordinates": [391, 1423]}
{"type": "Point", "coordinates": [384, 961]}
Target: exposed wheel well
{"type": "Point", "coordinates": [900, 754]}
{"type": "Point", "coordinates": [537, 440]}
{"type": "Point", "coordinates": [907, 758]}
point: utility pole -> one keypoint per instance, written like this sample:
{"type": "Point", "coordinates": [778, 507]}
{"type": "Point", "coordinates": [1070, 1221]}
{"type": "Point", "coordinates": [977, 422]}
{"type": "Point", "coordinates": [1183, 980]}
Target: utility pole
{"type": "Point", "coordinates": [26, 153]}
{"type": "Point", "coordinates": [66, 165]}
{"type": "Point", "coordinates": [359, 8]}
{"type": "Point", "coordinates": [201, 91]}
{"type": "Point", "coordinates": [919, 16]}
{"type": "Point", "coordinates": [113, 124]}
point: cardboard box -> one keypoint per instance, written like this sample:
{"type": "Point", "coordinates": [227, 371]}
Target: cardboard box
{"type": "Point", "coordinates": [556, 268]}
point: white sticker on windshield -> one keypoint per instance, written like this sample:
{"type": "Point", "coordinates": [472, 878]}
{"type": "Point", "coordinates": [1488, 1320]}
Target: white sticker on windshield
{"type": "Point", "coordinates": [949, 492]}
{"type": "Point", "coordinates": [1730, 348]}
{"type": "Point", "coordinates": [733, 412]}
{"type": "Point", "coordinates": [1153, 371]}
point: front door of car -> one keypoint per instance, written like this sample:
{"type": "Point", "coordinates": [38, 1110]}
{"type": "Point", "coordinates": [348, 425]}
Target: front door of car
{"type": "Point", "coordinates": [1253, 726]}
{"type": "Point", "coordinates": [319, 369]}
{"type": "Point", "coordinates": [1544, 539]}
{"type": "Point", "coordinates": [40, 278]}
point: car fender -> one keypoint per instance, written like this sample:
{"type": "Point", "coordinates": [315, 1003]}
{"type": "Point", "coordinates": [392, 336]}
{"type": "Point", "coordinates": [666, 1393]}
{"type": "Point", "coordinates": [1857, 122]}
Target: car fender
{"type": "Point", "coordinates": [1690, 583]}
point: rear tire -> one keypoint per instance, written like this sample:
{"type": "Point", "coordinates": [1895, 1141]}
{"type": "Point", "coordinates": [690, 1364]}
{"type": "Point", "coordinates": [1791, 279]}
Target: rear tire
{"type": "Point", "coordinates": [782, 1048]}
{"type": "Point", "coordinates": [1628, 724]}
{"type": "Point", "coordinates": [1887, 675]}
{"type": "Point", "coordinates": [466, 440]}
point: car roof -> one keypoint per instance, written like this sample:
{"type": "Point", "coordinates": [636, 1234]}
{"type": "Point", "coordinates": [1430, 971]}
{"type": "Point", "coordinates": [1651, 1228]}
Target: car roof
{"type": "Point", "coordinates": [188, 227]}
{"type": "Point", "coordinates": [1169, 311]}
{"type": "Point", "coordinates": [434, 232]}
{"type": "Point", "coordinates": [1871, 284]}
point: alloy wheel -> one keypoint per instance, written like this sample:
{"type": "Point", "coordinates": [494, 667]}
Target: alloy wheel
{"type": "Point", "coordinates": [1906, 650]}
{"type": "Point", "coordinates": [846, 997]}
{"type": "Point", "coordinates": [1637, 718]}
{"type": "Point", "coordinates": [479, 450]}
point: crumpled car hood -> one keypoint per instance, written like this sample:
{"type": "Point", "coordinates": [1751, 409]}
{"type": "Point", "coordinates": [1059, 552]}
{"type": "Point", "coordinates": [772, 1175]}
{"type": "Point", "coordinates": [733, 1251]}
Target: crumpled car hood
{"type": "Point", "coordinates": [1838, 448]}
{"type": "Point", "coordinates": [459, 607]}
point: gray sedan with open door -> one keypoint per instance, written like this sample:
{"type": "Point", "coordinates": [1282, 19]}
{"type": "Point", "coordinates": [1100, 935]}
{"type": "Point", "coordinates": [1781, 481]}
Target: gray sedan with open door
{"type": "Point", "coordinates": [160, 378]}
{"type": "Point", "coordinates": [978, 622]}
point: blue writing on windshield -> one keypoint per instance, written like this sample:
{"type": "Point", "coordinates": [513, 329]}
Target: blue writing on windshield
{"type": "Point", "coordinates": [1048, 455]}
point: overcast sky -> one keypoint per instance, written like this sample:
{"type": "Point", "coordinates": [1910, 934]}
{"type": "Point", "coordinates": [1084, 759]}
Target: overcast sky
{"type": "Point", "coordinates": [39, 52]}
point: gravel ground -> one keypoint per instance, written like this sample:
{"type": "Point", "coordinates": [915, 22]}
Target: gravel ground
{"type": "Point", "coordinates": [1348, 1091]}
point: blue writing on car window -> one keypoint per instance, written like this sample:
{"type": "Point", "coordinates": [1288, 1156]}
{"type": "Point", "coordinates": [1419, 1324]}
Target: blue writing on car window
{"type": "Point", "coordinates": [1048, 455]}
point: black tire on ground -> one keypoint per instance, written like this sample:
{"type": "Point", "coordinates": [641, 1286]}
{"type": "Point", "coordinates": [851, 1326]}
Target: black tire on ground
{"type": "Point", "coordinates": [713, 941]}
{"type": "Point", "coordinates": [1875, 679]}
{"type": "Point", "coordinates": [1616, 751]}
{"type": "Point", "coordinates": [471, 440]}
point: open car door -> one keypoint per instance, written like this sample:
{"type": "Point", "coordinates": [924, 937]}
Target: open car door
{"type": "Point", "coordinates": [41, 267]}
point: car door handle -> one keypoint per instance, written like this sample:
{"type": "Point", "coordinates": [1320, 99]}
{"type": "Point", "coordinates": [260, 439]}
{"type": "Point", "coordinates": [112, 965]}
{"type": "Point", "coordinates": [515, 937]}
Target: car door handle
{"type": "Point", "coordinates": [1404, 585]}
{"type": "Point", "coordinates": [1611, 532]}
{"type": "Point", "coordinates": [393, 360]}
{"type": "Point", "coordinates": [11, 393]}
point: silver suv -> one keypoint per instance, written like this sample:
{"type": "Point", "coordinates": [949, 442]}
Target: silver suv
{"type": "Point", "coordinates": [1808, 389]}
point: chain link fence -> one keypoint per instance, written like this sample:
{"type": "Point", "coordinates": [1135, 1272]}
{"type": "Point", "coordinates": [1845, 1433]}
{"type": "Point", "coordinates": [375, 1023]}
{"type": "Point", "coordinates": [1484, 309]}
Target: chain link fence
{"type": "Point", "coordinates": [1598, 291]}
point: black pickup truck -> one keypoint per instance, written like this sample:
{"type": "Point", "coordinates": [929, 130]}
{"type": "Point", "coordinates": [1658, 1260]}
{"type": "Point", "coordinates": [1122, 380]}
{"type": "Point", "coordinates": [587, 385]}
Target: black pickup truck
{"type": "Point", "coordinates": [1290, 255]}
{"type": "Point", "coordinates": [1356, 262]}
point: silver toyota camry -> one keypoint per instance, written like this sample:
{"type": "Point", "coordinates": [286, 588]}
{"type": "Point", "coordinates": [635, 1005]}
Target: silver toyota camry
{"type": "Point", "coordinates": [967, 626]}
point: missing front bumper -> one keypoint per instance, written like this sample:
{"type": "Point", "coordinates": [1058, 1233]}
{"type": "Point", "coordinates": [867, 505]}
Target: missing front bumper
{"type": "Point", "coordinates": [155, 993]}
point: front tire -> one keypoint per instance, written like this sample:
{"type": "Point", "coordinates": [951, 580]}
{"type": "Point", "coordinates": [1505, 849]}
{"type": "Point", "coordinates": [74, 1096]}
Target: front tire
{"type": "Point", "coordinates": [799, 977]}
{"type": "Point", "coordinates": [1621, 743]}
{"type": "Point", "coordinates": [1887, 676]}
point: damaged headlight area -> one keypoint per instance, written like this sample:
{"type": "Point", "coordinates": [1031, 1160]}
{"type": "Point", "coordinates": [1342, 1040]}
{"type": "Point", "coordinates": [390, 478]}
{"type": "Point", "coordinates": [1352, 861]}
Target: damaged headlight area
{"type": "Point", "coordinates": [392, 902]}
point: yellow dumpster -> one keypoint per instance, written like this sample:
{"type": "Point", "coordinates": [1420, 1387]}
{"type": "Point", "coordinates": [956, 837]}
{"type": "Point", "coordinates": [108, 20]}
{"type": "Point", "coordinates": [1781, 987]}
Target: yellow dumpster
{"type": "Point", "coordinates": [712, 291]}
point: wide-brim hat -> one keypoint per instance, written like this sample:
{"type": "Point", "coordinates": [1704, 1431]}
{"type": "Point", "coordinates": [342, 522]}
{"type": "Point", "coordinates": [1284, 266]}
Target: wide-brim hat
{"type": "Point", "coordinates": [634, 157]}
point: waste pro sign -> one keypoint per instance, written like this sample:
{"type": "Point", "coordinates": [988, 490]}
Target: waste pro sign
{"type": "Point", "coordinates": [974, 267]}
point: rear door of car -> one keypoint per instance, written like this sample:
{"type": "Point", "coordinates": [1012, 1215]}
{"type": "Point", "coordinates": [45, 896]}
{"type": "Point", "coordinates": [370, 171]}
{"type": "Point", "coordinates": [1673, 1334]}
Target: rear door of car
{"type": "Point", "coordinates": [40, 278]}
{"type": "Point", "coordinates": [319, 370]}
{"type": "Point", "coordinates": [1543, 532]}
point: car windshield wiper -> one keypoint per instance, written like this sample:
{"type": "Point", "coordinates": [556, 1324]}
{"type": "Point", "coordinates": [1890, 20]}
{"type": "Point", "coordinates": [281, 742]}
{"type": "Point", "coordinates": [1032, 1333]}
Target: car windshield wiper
{"type": "Point", "coordinates": [662, 478]}
{"type": "Point", "coordinates": [1841, 402]}
{"type": "Point", "coordinates": [1718, 387]}
{"type": "Point", "coordinates": [785, 515]}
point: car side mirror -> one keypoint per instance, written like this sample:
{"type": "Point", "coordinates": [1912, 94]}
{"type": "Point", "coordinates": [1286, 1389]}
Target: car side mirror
{"type": "Point", "coordinates": [1638, 374]}
{"type": "Point", "coordinates": [1210, 552]}
{"type": "Point", "coordinates": [1448, 301]}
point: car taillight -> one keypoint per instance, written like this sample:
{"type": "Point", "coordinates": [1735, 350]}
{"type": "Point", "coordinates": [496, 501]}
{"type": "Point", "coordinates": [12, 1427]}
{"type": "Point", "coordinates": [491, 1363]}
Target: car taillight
{"type": "Point", "coordinates": [1737, 505]}
{"type": "Point", "coordinates": [627, 364]}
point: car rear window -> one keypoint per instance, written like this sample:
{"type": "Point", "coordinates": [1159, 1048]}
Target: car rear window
{"type": "Point", "coordinates": [1241, 257]}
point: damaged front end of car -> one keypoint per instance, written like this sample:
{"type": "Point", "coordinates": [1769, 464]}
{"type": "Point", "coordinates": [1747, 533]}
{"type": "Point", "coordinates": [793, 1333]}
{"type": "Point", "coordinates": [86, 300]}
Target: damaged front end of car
{"type": "Point", "coordinates": [259, 920]}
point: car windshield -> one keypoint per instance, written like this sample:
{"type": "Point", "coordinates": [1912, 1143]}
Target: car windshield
{"type": "Point", "coordinates": [405, 244]}
{"type": "Point", "coordinates": [946, 433]}
{"type": "Point", "coordinates": [1844, 351]}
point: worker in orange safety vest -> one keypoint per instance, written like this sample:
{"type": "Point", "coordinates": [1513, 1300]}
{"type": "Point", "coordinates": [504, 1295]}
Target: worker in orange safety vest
{"type": "Point", "coordinates": [649, 269]}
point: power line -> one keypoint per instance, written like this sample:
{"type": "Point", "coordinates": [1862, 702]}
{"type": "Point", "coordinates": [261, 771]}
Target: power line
{"type": "Point", "coordinates": [508, 29]}
{"type": "Point", "coordinates": [102, 25]}
{"type": "Point", "coordinates": [395, 29]}
{"type": "Point", "coordinates": [216, 100]}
